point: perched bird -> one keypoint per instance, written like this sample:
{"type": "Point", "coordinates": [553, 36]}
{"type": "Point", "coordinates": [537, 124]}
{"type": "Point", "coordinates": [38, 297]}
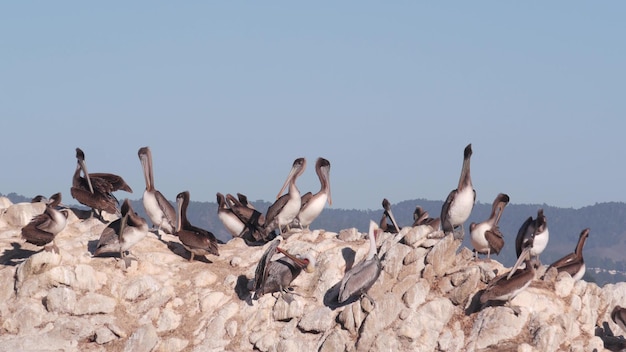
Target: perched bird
{"type": "Point", "coordinates": [535, 229]}
{"type": "Point", "coordinates": [243, 199]}
{"type": "Point", "coordinates": [229, 219]}
{"type": "Point", "coordinates": [486, 237]}
{"type": "Point", "coordinates": [421, 217]}
{"type": "Point", "coordinates": [253, 220]}
{"type": "Point", "coordinates": [362, 276]}
{"type": "Point", "coordinates": [574, 263]}
{"type": "Point", "coordinates": [460, 202]}
{"type": "Point", "coordinates": [277, 275]}
{"type": "Point", "coordinates": [287, 206]}
{"type": "Point", "coordinates": [96, 190]}
{"type": "Point", "coordinates": [505, 287]}
{"type": "Point", "coordinates": [39, 198]}
{"type": "Point", "coordinates": [618, 315]}
{"type": "Point", "coordinates": [158, 208]}
{"type": "Point", "coordinates": [388, 215]}
{"type": "Point", "coordinates": [196, 240]}
{"type": "Point", "coordinates": [122, 234]}
{"type": "Point", "coordinates": [311, 205]}
{"type": "Point", "coordinates": [43, 228]}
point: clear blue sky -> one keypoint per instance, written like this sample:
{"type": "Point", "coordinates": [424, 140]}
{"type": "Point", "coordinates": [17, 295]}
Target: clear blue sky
{"type": "Point", "coordinates": [227, 94]}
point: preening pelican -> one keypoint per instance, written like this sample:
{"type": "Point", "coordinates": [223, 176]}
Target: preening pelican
{"type": "Point", "coordinates": [122, 234]}
{"type": "Point", "coordinates": [95, 190]}
{"type": "Point", "coordinates": [43, 228]}
{"type": "Point", "coordinates": [277, 275]}
{"type": "Point", "coordinates": [533, 233]}
{"type": "Point", "coordinates": [388, 216]}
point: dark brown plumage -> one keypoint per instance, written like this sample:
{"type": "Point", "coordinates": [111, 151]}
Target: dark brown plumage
{"type": "Point", "coordinates": [277, 275]}
{"type": "Point", "coordinates": [196, 240]}
{"type": "Point", "coordinates": [574, 263]}
{"type": "Point", "coordinates": [95, 190]}
{"type": "Point", "coordinates": [43, 228]}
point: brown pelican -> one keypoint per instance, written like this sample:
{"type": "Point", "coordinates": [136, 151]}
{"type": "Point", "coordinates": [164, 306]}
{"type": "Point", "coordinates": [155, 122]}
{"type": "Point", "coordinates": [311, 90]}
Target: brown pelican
{"type": "Point", "coordinates": [537, 229]}
{"type": "Point", "coordinates": [244, 200]}
{"type": "Point", "coordinates": [486, 236]}
{"type": "Point", "coordinates": [276, 275]}
{"type": "Point", "coordinates": [287, 206]}
{"type": "Point", "coordinates": [458, 206]}
{"type": "Point", "coordinates": [618, 315]}
{"type": "Point", "coordinates": [387, 214]}
{"type": "Point", "coordinates": [505, 287]}
{"type": "Point", "coordinates": [574, 263]}
{"type": "Point", "coordinates": [39, 198]}
{"type": "Point", "coordinates": [362, 276]}
{"type": "Point", "coordinates": [421, 217]}
{"type": "Point", "coordinates": [311, 206]}
{"type": "Point", "coordinates": [43, 228]}
{"type": "Point", "coordinates": [122, 234]}
{"type": "Point", "coordinates": [96, 190]}
{"type": "Point", "coordinates": [252, 219]}
{"type": "Point", "coordinates": [229, 219]}
{"type": "Point", "coordinates": [196, 240]}
{"type": "Point", "coordinates": [158, 208]}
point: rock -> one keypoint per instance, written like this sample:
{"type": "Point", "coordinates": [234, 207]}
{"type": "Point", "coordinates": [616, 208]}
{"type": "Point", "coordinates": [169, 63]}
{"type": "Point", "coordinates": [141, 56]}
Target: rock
{"type": "Point", "coordinates": [494, 325]}
{"type": "Point", "coordinates": [20, 214]}
{"type": "Point", "coordinates": [94, 303]}
{"type": "Point", "coordinates": [348, 235]}
{"type": "Point", "coordinates": [60, 300]}
{"type": "Point", "coordinates": [442, 255]}
{"type": "Point", "coordinates": [173, 344]}
{"type": "Point", "coordinates": [284, 311]}
{"type": "Point", "coordinates": [104, 335]}
{"type": "Point", "coordinates": [317, 320]}
{"type": "Point", "coordinates": [143, 339]}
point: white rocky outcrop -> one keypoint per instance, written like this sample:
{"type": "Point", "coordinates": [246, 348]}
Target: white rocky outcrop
{"type": "Point", "coordinates": [424, 300]}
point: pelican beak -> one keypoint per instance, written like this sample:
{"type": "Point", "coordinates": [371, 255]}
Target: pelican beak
{"type": "Point", "coordinates": [523, 256]}
{"type": "Point", "coordinates": [303, 263]}
{"type": "Point", "coordinates": [83, 166]}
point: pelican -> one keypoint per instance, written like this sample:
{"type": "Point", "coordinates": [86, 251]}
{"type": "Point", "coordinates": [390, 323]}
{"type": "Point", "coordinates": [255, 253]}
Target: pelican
{"type": "Point", "coordinates": [312, 206]}
{"type": "Point", "coordinates": [43, 228]}
{"type": "Point", "coordinates": [276, 275]}
{"type": "Point", "coordinates": [537, 229]}
{"type": "Point", "coordinates": [486, 236]}
{"type": "Point", "coordinates": [252, 219]}
{"type": "Point", "coordinates": [122, 234]}
{"type": "Point", "coordinates": [458, 206]}
{"type": "Point", "coordinates": [196, 240]}
{"type": "Point", "coordinates": [244, 200]}
{"type": "Point", "coordinates": [618, 315]}
{"type": "Point", "coordinates": [574, 263]}
{"type": "Point", "coordinates": [96, 190]}
{"type": "Point", "coordinates": [505, 287]}
{"type": "Point", "coordinates": [39, 198]}
{"type": "Point", "coordinates": [287, 206]}
{"type": "Point", "coordinates": [421, 217]}
{"type": "Point", "coordinates": [158, 208]}
{"type": "Point", "coordinates": [387, 214]}
{"type": "Point", "coordinates": [362, 276]}
{"type": "Point", "coordinates": [229, 219]}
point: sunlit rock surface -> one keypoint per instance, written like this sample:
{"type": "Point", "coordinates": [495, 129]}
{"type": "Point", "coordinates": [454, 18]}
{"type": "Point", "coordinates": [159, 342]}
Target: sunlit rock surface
{"type": "Point", "coordinates": [426, 298]}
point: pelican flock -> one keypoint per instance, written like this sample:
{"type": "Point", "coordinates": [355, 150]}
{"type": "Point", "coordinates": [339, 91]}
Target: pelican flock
{"type": "Point", "coordinates": [293, 212]}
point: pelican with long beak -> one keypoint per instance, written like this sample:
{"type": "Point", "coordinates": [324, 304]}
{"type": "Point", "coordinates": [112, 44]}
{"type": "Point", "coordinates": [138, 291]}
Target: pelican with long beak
{"type": "Point", "coordinates": [287, 206]}
{"type": "Point", "coordinates": [362, 276]}
{"type": "Point", "coordinates": [95, 190]}
{"type": "Point", "coordinates": [533, 233]}
{"type": "Point", "coordinates": [43, 228]}
{"type": "Point", "coordinates": [277, 275]}
{"type": "Point", "coordinates": [460, 202]}
{"type": "Point", "coordinates": [388, 216]}
{"type": "Point", "coordinates": [486, 237]}
{"type": "Point", "coordinates": [311, 207]}
{"type": "Point", "coordinates": [196, 240]}
{"type": "Point", "coordinates": [158, 208]}
{"type": "Point", "coordinates": [505, 287]}
{"type": "Point", "coordinates": [574, 263]}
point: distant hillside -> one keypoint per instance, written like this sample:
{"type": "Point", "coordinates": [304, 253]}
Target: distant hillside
{"type": "Point", "coordinates": [604, 248]}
